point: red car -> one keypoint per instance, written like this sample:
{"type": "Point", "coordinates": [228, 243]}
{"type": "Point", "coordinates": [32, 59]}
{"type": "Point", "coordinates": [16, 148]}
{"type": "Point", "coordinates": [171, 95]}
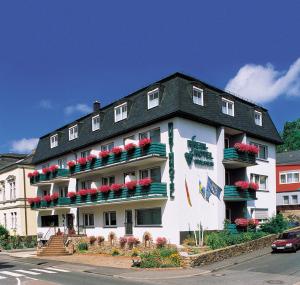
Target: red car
{"type": "Point", "coordinates": [287, 242]}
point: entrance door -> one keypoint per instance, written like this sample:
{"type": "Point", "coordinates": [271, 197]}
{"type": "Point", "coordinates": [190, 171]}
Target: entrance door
{"type": "Point", "coordinates": [128, 222]}
{"type": "Point", "coordinates": [70, 222]}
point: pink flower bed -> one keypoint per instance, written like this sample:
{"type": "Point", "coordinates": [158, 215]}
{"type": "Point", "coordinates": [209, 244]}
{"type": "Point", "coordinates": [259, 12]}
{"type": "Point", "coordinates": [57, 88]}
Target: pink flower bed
{"type": "Point", "coordinates": [248, 148]}
{"type": "Point", "coordinates": [246, 185]}
{"type": "Point", "coordinates": [161, 241]}
{"type": "Point", "coordinates": [46, 170]}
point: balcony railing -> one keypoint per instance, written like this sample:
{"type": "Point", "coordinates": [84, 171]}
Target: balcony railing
{"type": "Point", "coordinates": [234, 158]}
{"type": "Point", "coordinates": [155, 190]}
{"type": "Point", "coordinates": [154, 149]}
{"type": "Point", "coordinates": [233, 193]}
{"type": "Point", "coordinates": [59, 173]}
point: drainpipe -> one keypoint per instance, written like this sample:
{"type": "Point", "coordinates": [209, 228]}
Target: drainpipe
{"type": "Point", "coordinates": [25, 202]}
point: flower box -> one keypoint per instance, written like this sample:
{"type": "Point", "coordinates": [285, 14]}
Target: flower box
{"type": "Point", "coordinates": [131, 185]}
{"type": "Point", "coordinates": [145, 182]}
{"type": "Point", "coordinates": [53, 168]}
{"type": "Point", "coordinates": [104, 188]}
{"type": "Point", "coordinates": [92, 191]}
{"type": "Point", "coordinates": [82, 192]}
{"type": "Point", "coordinates": [248, 148]}
{"type": "Point", "coordinates": [130, 147]}
{"type": "Point", "coordinates": [116, 187]}
{"type": "Point", "coordinates": [91, 158]}
{"type": "Point", "coordinates": [47, 198]}
{"type": "Point", "coordinates": [117, 150]}
{"type": "Point", "coordinates": [71, 164]}
{"type": "Point", "coordinates": [54, 196]}
{"type": "Point", "coordinates": [71, 195]}
{"type": "Point", "coordinates": [82, 161]}
{"type": "Point", "coordinates": [46, 170]}
{"type": "Point", "coordinates": [104, 154]}
{"type": "Point", "coordinates": [144, 142]}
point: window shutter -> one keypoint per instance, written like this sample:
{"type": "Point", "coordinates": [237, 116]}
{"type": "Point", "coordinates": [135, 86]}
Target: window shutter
{"type": "Point", "coordinates": [261, 214]}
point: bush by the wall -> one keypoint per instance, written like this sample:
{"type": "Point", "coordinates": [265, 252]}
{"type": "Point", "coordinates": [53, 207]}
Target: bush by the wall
{"type": "Point", "coordinates": [3, 231]}
{"type": "Point", "coordinates": [275, 225]}
{"type": "Point", "coordinates": [82, 246]}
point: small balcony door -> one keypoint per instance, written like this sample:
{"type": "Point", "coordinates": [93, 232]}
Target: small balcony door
{"type": "Point", "coordinates": [128, 222]}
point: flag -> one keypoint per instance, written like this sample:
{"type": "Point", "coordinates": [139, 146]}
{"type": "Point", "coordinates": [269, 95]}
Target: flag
{"type": "Point", "coordinates": [187, 194]}
{"type": "Point", "coordinates": [205, 192]}
{"type": "Point", "coordinates": [213, 188]}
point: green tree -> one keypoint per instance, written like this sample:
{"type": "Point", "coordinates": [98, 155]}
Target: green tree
{"type": "Point", "coordinates": [290, 136]}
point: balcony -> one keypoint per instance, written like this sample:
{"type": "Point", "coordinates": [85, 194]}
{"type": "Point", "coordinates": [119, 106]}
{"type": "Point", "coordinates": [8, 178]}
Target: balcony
{"type": "Point", "coordinates": [233, 193]}
{"type": "Point", "coordinates": [234, 159]}
{"type": "Point", "coordinates": [155, 191]}
{"type": "Point", "coordinates": [139, 157]}
{"type": "Point", "coordinates": [57, 176]}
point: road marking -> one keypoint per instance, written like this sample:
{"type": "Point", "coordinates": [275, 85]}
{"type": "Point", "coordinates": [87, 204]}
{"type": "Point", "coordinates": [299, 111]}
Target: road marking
{"type": "Point", "coordinates": [31, 278]}
{"type": "Point", "coordinates": [43, 270]}
{"type": "Point", "coordinates": [19, 281]}
{"type": "Point", "coordinates": [2, 277]}
{"type": "Point", "coordinates": [13, 274]}
{"type": "Point", "coordinates": [28, 272]}
{"type": "Point", "coordinates": [57, 269]}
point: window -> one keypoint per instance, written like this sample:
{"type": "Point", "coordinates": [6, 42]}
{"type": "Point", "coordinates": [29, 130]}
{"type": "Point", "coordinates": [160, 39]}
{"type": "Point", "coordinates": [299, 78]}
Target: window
{"type": "Point", "coordinates": [86, 184]}
{"type": "Point", "coordinates": [73, 132]}
{"type": "Point", "coordinates": [130, 139]}
{"type": "Point", "coordinates": [88, 220]}
{"type": "Point", "coordinates": [108, 147]}
{"type": "Point", "coordinates": [153, 98]}
{"type": "Point", "coordinates": [110, 219]}
{"type": "Point", "coordinates": [2, 189]}
{"type": "Point", "coordinates": [289, 177]}
{"type": "Point", "coordinates": [261, 180]}
{"type": "Point", "coordinates": [286, 200]}
{"type": "Point", "coordinates": [13, 220]}
{"type": "Point", "coordinates": [153, 173]}
{"type": "Point", "coordinates": [258, 118]}
{"type": "Point", "coordinates": [294, 199]}
{"type": "Point", "coordinates": [197, 96]}
{"type": "Point", "coordinates": [49, 221]}
{"type": "Point", "coordinates": [61, 163]}
{"type": "Point", "coordinates": [121, 112]}
{"type": "Point", "coordinates": [148, 217]}
{"type": "Point", "coordinates": [227, 107]}
{"type": "Point", "coordinates": [260, 214]}
{"type": "Point", "coordinates": [129, 176]}
{"type": "Point", "coordinates": [63, 191]}
{"type": "Point", "coordinates": [108, 180]}
{"type": "Point", "coordinates": [85, 154]}
{"type": "Point", "coordinates": [154, 135]}
{"type": "Point", "coordinates": [95, 123]}
{"type": "Point", "coordinates": [12, 190]}
{"type": "Point", "coordinates": [54, 141]}
{"type": "Point", "coordinates": [263, 151]}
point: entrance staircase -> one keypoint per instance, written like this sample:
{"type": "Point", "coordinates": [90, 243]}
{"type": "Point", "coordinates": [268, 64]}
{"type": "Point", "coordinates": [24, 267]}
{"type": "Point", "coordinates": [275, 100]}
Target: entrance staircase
{"type": "Point", "coordinates": [54, 247]}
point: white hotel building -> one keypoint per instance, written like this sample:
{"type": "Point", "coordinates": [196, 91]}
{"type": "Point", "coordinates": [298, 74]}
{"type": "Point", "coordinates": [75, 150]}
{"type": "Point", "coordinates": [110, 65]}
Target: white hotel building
{"type": "Point", "coordinates": [193, 127]}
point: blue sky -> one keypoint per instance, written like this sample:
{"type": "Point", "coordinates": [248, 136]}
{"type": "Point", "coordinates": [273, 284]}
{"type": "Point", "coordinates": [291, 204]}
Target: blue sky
{"type": "Point", "coordinates": [57, 57]}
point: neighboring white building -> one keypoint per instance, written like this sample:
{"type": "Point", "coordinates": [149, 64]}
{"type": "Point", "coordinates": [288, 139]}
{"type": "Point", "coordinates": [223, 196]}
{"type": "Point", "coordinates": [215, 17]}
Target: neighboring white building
{"type": "Point", "coordinates": [193, 128]}
{"type": "Point", "coordinates": [15, 213]}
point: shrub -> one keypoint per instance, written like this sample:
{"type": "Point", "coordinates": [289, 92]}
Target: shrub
{"type": "Point", "coordinates": [132, 241]}
{"type": "Point", "coordinates": [101, 240]}
{"type": "Point", "coordinates": [92, 240]}
{"type": "Point", "coordinates": [122, 241]}
{"type": "Point", "coordinates": [161, 242]}
{"type": "Point", "coordinates": [115, 252]}
{"type": "Point", "coordinates": [274, 225]}
{"type": "Point", "coordinates": [135, 252]}
{"type": "Point", "coordinates": [3, 231]}
{"type": "Point", "coordinates": [189, 240]}
{"type": "Point", "coordinates": [82, 246]}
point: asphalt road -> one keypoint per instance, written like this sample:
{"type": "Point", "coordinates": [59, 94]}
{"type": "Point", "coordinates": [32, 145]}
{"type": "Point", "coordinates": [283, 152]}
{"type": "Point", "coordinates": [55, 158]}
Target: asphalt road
{"type": "Point", "coordinates": [268, 269]}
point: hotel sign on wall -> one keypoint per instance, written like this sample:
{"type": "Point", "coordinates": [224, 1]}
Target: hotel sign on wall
{"type": "Point", "coordinates": [198, 154]}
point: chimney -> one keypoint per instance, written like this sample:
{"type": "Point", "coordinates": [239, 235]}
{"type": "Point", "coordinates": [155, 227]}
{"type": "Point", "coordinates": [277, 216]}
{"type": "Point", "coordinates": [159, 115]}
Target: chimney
{"type": "Point", "coordinates": [96, 106]}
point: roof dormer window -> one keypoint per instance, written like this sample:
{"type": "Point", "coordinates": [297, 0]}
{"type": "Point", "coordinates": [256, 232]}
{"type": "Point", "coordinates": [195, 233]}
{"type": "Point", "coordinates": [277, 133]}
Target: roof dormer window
{"type": "Point", "coordinates": [153, 98]}
{"type": "Point", "coordinates": [227, 107]}
{"type": "Point", "coordinates": [96, 123]}
{"type": "Point", "coordinates": [258, 118]}
{"type": "Point", "coordinates": [197, 96]}
{"type": "Point", "coordinates": [54, 141]}
{"type": "Point", "coordinates": [121, 112]}
{"type": "Point", "coordinates": [73, 133]}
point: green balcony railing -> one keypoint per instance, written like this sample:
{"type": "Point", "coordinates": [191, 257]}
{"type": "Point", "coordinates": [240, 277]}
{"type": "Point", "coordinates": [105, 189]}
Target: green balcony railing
{"type": "Point", "coordinates": [233, 155]}
{"type": "Point", "coordinates": [158, 149]}
{"type": "Point", "coordinates": [61, 172]}
{"type": "Point", "coordinates": [233, 193]}
{"type": "Point", "coordinates": [155, 190]}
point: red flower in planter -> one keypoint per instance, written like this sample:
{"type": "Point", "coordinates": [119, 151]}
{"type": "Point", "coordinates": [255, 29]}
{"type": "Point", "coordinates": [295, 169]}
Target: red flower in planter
{"type": "Point", "coordinates": [104, 188]}
{"type": "Point", "coordinates": [116, 187]}
{"type": "Point", "coordinates": [253, 149]}
{"type": "Point", "coordinates": [117, 150]}
{"type": "Point", "coordinates": [92, 191]}
{"type": "Point", "coordinates": [54, 196]}
{"type": "Point", "coordinates": [47, 198]}
{"type": "Point", "coordinates": [30, 200]}
{"type": "Point", "coordinates": [130, 147]}
{"type": "Point", "coordinates": [53, 168]}
{"type": "Point", "coordinates": [82, 192]}
{"type": "Point", "coordinates": [71, 163]}
{"type": "Point", "coordinates": [104, 154]}
{"type": "Point", "coordinates": [82, 161]}
{"type": "Point", "coordinates": [248, 148]}
{"type": "Point", "coordinates": [145, 182]}
{"type": "Point", "coordinates": [37, 199]}
{"type": "Point", "coordinates": [131, 185]}
{"type": "Point", "coordinates": [91, 158]}
{"type": "Point", "coordinates": [253, 186]}
{"type": "Point", "coordinates": [144, 142]}
{"type": "Point", "coordinates": [242, 184]}
{"type": "Point", "coordinates": [253, 222]}
{"type": "Point", "coordinates": [46, 170]}
{"type": "Point", "coordinates": [30, 175]}
{"type": "Point", "coordinates": [241, 222]}
{"type": "Point", "coordinates": [71, 194]}
{"type": "Point", "coordinates": [35, 173]}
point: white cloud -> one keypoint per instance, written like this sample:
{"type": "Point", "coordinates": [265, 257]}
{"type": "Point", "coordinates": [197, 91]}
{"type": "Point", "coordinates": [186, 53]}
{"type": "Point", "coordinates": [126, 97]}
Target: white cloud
{"type": "Point", "coordinates": [264, 83]}
{"type": "Point", "coordinates": [45, 104]}
{"type": "Point", "coordinates": [78, 108]}
{"type": "Point", "coordinates": [24, 145]}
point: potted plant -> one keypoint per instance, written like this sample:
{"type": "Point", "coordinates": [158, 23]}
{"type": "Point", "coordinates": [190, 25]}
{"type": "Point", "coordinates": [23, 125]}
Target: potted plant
{"type": "Point", "coordinates": [82, 161]}
{"type": "Point", "coordinates": [104, 188]}
{"type": "Point", "coordinates": [104, 154]}
{"type": "Point", "coordinates": [54, 196]}
{"type": "Point", "coordinates": [242, 184]}
{"type": "Point", "coordinates": [131, 185]}
{"type": "Point", "coordinates": [71, 164]}
{"type": "Point", "coordinates": [53, 168]}
{"type": "Point", "coordinates": [144, 142]}
{"type": "Point", "coordinates": [71, 195]}
{"type": "Point", "coordinates": [82, 192]}
{"type": "Point", "coordinates": [117, 151]}
{"type": "Point", "coordinates": [253, 186]}
{"type": "Point", "coordinates": [246, 148]}
{"type": "Point", "coordinates": [146, 182]}
{"type": "Point", "coordinates": [130, 147]}
{"type": "Point", "coordinates": [91, 158]}
{"type": "Point", "coordinates": [46, 170]}
{"type": "Point", "coordinates": [116, 187]}
{"type": "Point", "coordinates": [47, 198]}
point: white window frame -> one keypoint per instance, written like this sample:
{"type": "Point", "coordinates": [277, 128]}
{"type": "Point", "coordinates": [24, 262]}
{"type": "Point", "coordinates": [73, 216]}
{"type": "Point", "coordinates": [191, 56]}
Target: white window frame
{"type": "Point", "coordinates": [252, 178]}
{"type": "Point", "coordinates": [261, 146]}
{"type": "Point", "coordinates": [109, 219]}
{"type": "Point", "coordinates": [73, 135]}
{"type": "Point", "coordinates": [285, 173]}
{"type": "Point", "coordinates": [123, 114]}
{"type": "Point", "coordinates": [89, 224]}
{"type": "Point", "coordinates": [108, 146]}
{"type": "Point", "coordinates": [154, 102]}
{"type": "Point", "coordinates": [196, 99]}
{"type": "Point", "coordinates": [296, 202]}
{"type": "Point", "coordinates": [96, 123]}
{"type": "Point", "coordinates": [227, 109]}
{"type": "Point", "coordinates": [54, 141]}
{"type": "Point", "coordinates": [283, 200]}
{"type": "Point", "coordinates": [259, 122]}
{"type": "Point", "coordinates": [61, 162]}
